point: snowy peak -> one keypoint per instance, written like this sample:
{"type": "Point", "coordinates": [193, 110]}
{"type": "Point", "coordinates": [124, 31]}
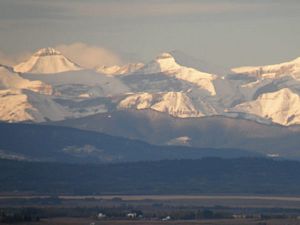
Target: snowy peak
{"type": "Point", "coordinates": [291, 68]}
{"type": "Point", "coordinates": [109, 70]}
{"type": "Point", "coordinates": [47, 52]}
{"type": "Point", "coordinates": [282, 107]}
{"type": "Point", "coordinates": [23, 105]}
{"type": "Point", "coordinates": [11, 80]}
{"type": "Point", "coordinates": [164, 55]}
{"type": "Point", "coordinates": [199, 64]}
{"type": "Point", "coordinates": [46, 61]}
{"type": "Point", "coordinates": [297, 60]}
{"type": "Point", "coordinates": [119, 70]}
{"type": "Point", "coordinates": [166, 64]}
{"type": "Point", "coordinates": [176, 104]}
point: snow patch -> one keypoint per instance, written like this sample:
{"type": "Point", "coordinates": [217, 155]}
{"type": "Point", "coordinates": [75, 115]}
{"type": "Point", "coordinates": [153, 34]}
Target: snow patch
{"type": "Point", "coordinates": [184, 140]}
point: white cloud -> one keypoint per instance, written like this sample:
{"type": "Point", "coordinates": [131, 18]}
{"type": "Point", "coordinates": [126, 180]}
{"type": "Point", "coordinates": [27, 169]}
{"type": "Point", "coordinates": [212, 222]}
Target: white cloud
{"type": "Point", "coordinates": [89, 56]}
{"type": "Point", "coordinates": [11, 60]}
{"type": "Point", "coordinates": [5, 60]}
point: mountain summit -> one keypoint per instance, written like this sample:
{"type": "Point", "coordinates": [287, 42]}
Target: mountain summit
{"type": "Point", "coordinates": [119, 70]}
{"type": "Point", "coordinates": [47, 52]}
{"type": "Point", "coordinates": [176, 104]}
{"type": "Point", "coordinates": [272, 71]}
{"type": "Point", "coordinates": [282, 107]}
{"type": "Point", "coordinates": [46, 61]}
{"type": "Point", "coordinates": [166, 64]}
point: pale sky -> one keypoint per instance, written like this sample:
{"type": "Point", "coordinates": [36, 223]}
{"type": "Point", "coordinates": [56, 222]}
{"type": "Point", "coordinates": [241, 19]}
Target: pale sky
{"type": "Point", "coordinates": [223, 32]}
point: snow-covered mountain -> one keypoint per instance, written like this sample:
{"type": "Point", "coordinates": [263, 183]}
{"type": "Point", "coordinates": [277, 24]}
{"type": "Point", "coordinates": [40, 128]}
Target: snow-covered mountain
{"type": "Point", "coordinates": [11, 80]}
{"type": "Point", "coordinates": [51, 87]}
{"type": "Point", "coordinates": [176, 104]}
{"type": "Point", "coordinates": [25, 100]}
{"type": "Point", "coordinates": [166, 65]}
{"type": "Point", "coordinates": [46, 61]}
{"type": "Point", "coordinates": [119, 70]}
{"type": "Point", "coordinates": [68, 87]}
{"type": "Point", "coordinates": [282, 107]}
{"type": "Point", "coordinates": [291, 68]}
{"type": "Point", "coordinates": [198, 64]}
{"type": "Point", "coordinates": [67, 78]}
{"type": "Point", "coordinates": [251, 82]}
{"type": "Point", "coordinates": [82, 83]}
{"type": "Point", "coordinates": [24, 105]}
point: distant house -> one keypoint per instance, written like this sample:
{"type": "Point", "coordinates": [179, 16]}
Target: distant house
{"type": "Point", "coordinates": [101, 215]}
{"type": "Point", "coordinates": [131, 215]}
{"type": "Point", "coordinates": [239, 216]}
{"type": "Point", "coordinates": [166, 218]}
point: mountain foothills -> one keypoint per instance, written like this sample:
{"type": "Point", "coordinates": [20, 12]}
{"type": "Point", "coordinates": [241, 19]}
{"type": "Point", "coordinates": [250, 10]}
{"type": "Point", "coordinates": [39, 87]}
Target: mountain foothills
{"type": "Point", "coordinates": [50, 88]}
{"type": "Point", "coordinates": [68, 145]}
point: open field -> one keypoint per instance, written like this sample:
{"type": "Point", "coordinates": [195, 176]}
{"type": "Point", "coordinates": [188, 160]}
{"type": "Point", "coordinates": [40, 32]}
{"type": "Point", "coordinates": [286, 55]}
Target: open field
{"type": "Point", "coordinates": [193, 200]}
{"type": "Point", "coordinates": [183, 210]}
{"type": "Point", "coordinates": [87, 221]}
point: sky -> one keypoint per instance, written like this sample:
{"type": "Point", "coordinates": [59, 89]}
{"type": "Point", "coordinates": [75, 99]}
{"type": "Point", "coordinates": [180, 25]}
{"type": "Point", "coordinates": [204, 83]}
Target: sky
{"type": "Point", "coordinates": [228, 33]}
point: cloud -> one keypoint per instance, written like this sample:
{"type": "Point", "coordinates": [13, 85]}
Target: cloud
{"type": "Point", "coordinates": [6, 60]}
{"type": "Point", "coordinates": [89, 56]}
{"type": "Point", "coordinates": [12, 60]}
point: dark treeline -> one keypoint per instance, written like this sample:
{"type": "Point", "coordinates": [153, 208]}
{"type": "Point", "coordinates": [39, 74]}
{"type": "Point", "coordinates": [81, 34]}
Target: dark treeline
{"type": "Point", "coordinates": [204, 176]}
{"type": "Point", "coordinates": [18, 215]}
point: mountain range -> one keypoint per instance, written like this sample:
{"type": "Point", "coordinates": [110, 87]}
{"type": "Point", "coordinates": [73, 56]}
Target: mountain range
{"type": "Point", "coordinates": [199, 108]}
{"type": "Point", "coordinates": [162, 85]}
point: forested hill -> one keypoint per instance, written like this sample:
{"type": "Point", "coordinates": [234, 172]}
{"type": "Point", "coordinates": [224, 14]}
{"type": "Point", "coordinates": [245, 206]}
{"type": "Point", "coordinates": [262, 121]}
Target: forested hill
{"type": "Point", "coordinates": [204, 176]}
{"type": "Point", "coordinates": [60, 144]}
